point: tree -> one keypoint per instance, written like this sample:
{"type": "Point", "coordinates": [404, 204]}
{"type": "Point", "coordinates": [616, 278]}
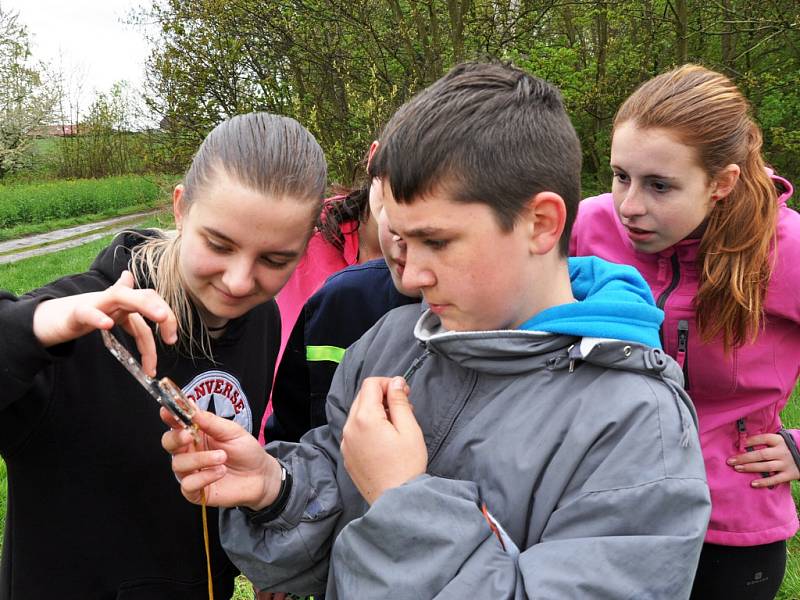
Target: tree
{"type": "Point", "coordinates": [26, 103]}
{"type": "Point", "coordinates": [342, 67]}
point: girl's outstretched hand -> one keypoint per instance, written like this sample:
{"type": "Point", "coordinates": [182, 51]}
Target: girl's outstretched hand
{"type": "Point", "coordinates": [64, 319]}
{"type": "Point", "coordinates": [228, 463]}
{"type": "Point", "coordinates": [775, 459]}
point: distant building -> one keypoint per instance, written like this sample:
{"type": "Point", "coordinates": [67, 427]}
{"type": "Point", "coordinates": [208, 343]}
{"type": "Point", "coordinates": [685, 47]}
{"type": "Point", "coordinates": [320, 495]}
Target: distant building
{"type": "Point", "coordinates": [62, 130]}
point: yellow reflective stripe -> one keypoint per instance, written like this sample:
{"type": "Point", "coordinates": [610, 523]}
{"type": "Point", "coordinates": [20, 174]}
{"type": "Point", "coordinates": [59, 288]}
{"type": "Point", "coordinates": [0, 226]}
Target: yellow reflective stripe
{"type": "Point", "coordinates": [319, 353]}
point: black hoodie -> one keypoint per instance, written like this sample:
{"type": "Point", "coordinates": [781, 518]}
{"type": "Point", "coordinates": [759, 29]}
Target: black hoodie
{"type": "Point", "coordinates": [94, 511]}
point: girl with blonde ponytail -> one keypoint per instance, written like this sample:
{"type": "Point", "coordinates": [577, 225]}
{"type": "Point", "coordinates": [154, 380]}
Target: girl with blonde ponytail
{"type": "Point", "coordinates": [696, 210]}
{"type": "Point", "coordinates": [197, 303]}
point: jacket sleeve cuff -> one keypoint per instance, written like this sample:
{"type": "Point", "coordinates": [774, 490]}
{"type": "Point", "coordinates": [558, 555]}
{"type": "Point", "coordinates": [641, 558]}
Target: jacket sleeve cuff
{"type": "Point", "coordinates": [792, 438]}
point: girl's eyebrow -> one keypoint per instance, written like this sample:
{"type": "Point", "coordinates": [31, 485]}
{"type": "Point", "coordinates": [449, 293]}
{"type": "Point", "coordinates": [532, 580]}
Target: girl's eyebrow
{"type": "Point", "coordinates": [282, 253]}
{"type": "Point", "coordinates": [219, 234]}
{"type": "Point", "coordinates": [649, 175]}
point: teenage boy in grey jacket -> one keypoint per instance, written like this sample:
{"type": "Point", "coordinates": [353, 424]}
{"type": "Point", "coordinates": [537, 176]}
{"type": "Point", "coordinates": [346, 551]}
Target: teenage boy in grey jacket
{"type": "Point", "coordinates": [544, 448]}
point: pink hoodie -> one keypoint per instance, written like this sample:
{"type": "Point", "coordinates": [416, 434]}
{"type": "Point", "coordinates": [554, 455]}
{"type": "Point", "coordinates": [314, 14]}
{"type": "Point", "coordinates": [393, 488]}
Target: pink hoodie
{"type": "Point", "coordinates": [736, 396]}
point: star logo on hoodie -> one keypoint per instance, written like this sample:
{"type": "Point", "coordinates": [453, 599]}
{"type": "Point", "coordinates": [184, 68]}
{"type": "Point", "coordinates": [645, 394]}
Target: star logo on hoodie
{"type": "Point", "coordinates": [221, 393]}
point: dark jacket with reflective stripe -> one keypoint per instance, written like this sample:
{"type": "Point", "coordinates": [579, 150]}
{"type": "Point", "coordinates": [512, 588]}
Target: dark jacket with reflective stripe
{"type": "Point", "coordinates": [350, 302]}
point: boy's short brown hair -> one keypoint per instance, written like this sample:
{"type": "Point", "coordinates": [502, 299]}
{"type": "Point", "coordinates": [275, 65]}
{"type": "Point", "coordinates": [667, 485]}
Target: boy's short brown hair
{"type": "Point", "coordinates": [488, 133]}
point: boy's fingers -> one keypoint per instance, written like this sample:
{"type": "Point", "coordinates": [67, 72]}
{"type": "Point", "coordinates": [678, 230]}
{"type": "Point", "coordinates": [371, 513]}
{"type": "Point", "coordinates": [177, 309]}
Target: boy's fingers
{"type": "Point", "coordinates": [192, 483]}
{"type": "Point", "coordinates": [401, 412]}
{"type": "Point", "coordinates": [218, 428]}
{"type": "Point", "coordinates": [187, 462]}
{"type": "Point", "coordinates": [176, 440]}
{"type": "Point", "coordinates": [369, 401]}
{"type": "Point", "coordinates": [169, 419]}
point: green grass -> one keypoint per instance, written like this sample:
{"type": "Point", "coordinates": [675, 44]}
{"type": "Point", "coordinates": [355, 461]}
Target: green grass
{"type": "Point", "coordinates": [27, 208]}
{"type": "Point", "coordinates": [3, 499]}
{"type": "Point", "coordinates": [243, 589]}
{"type": "Point", "coordinates": [790, 590]}
{"type": "Point", "coordinates": [30, 273]}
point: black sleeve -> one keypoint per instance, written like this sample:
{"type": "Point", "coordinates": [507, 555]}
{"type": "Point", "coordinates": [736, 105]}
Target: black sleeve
{"type": "Point", "coordinates": [22, 357]}
{"type": "Point", "coordinates": [26, 374]}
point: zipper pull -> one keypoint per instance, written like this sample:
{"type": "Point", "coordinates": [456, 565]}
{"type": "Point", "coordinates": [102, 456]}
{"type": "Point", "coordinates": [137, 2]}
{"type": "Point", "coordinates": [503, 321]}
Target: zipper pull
{"type": "Point", "coordinates": [683, 350]}
{"type": "Point", "coordinates": [742, 429]}
{"type": "Point", "coordinates": [414, 367]}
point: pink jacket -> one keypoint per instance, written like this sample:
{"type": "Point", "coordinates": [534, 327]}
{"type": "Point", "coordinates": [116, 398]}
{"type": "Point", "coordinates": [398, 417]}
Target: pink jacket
{"type": "Point", "coordinates": [737, 395]}
{"type": "Point", "coordinates": [320, 261]}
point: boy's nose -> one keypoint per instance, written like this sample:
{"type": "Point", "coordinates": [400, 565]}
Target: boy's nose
{"type": "Point", "coordinates": [417, 276]}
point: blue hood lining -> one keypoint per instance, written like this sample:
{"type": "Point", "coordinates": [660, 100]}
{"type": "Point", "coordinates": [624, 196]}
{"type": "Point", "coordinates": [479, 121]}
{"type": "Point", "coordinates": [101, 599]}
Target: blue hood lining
{"type": "Point", "coordinates": [613, 301]}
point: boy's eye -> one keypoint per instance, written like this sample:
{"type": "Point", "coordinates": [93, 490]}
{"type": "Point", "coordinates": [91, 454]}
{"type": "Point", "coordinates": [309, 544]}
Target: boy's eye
{"type": "Point", "coordinates": [436, 244]}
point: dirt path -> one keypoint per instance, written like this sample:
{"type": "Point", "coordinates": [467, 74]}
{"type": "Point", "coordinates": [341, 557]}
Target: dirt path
{"type": "Point", "coordinates": [61, 239]}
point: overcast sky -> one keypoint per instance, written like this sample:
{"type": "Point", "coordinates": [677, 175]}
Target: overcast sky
{"type": "Point", "coordinates": [87, 38]}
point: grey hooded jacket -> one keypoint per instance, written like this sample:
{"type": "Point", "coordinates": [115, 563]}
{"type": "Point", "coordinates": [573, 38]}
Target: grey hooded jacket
{"type": "Point", "coordinates": [583, 451]}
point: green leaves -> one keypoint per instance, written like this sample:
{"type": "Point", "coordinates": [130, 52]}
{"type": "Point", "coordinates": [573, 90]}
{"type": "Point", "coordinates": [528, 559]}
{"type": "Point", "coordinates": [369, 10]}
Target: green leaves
{"type": "Point", "coordinates": [342, 67]}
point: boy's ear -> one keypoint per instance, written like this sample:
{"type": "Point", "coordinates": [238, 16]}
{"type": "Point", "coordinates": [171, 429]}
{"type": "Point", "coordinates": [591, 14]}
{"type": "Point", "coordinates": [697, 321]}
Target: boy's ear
{"type": "Point", "coordinates": [177, 206]}
{"type": "Point", "coordinates": [545, 217]}
{"type": "Point", "coordinates": [373, 148]}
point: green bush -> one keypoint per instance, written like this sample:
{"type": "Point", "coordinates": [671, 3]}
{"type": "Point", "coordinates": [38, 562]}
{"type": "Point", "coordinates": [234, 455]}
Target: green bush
{"type": "Point", "coordinates": [37, 202]}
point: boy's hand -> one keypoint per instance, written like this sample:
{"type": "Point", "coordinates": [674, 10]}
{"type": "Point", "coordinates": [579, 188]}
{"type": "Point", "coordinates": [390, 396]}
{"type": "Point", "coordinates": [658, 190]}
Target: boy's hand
{"type": "Point", "coordinates": [382, 443]}
{"type": "Point", "coordinates": [232, 467]}
{"type": "Point", "coordinates": [64, 319]}
{"type": "Point", "coordinates": [775, 459]}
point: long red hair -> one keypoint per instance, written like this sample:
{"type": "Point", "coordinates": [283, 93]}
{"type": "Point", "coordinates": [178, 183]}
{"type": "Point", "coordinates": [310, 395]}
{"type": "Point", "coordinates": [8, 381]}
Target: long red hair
{"type": "Point", "coordinates": [704, 110]}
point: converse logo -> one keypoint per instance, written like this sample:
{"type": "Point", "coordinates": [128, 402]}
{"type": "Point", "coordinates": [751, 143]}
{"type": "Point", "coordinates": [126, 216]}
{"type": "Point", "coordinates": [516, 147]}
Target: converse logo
{"type": "Point", "coordinates": [220, 393]}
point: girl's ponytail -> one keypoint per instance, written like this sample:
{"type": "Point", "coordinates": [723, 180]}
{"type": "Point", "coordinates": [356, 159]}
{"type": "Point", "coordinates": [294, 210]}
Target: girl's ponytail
{"type": "Point", "coordinates": [737, 253]}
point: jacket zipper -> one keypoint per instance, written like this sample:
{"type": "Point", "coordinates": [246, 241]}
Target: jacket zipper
{"type": "Point", "coordinates": [741, 427]}
{"type": "Point", "coordinates": [434, 453]}
{"type": "Point", "coordinates": [676, 276]}
{"type": "Point", "coordinates": [683, 351]}
{"type": "Point", "coordinates": [662, 299]}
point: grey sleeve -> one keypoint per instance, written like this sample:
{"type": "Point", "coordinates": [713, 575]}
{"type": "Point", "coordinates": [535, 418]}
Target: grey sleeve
{"type": "Point", "coordinates": [637, 542]}
{"type": "Point", "coordinates": [429, 539]}
{"type": "Point", "coordinates": [291, 552]}
{"type": "Point", "coordinates": [424, 539]}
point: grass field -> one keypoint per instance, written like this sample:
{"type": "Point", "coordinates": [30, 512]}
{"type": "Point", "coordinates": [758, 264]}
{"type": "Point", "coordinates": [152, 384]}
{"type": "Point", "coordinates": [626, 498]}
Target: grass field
{"type": "Point", "coordinates": [28, 208]}
{"type": "Point", "coordinates": [28, 274]}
